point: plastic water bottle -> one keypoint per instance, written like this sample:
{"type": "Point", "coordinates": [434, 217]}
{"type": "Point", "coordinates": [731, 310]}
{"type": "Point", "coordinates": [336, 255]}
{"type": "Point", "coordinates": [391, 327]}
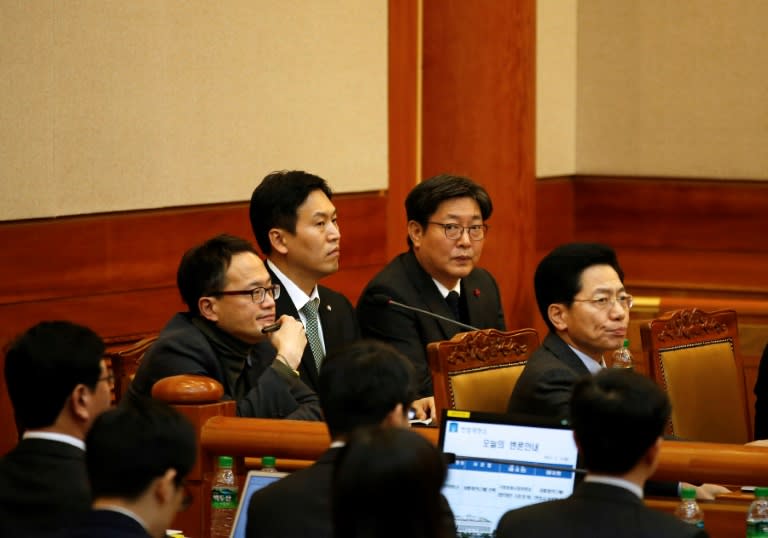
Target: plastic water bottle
{"type": "Point", "coordinates": [622, 357]}
{"type": "Point", "coordinates": [757, 515]}
{"type": "Point", "coordinates": [223, 499]}
{"type": "Point", "coordinates": [268, 464]}
{"type": "Point", "coordinates": [688, 510]}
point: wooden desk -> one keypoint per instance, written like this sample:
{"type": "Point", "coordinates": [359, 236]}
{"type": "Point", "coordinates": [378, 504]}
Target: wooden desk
{"type": "Point", "coordinates": [723, 518]}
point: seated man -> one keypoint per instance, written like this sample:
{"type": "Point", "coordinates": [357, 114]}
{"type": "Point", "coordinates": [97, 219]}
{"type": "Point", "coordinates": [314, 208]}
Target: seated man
{"type": "Point", "coordinates": [362, 384]}
{"type": "Point", "coordinates": [761, 398]}
{"type": "Point", "coordinates": [58, 384]}
{"type": "Point", "coordinates": [438, 273]}
{"type": "Point", "coordinates": [138, 457]}
{"type": "Point", "coordinates": [618, 419]}
{"type": "Point", "coordinates": [294, 222]}
{"type": "Point", "coordinates": [231, 298]}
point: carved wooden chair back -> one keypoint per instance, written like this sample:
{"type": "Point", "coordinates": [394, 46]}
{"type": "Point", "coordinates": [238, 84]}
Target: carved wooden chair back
{"type": "Point", "coordinates": [124, 363]}
{"type": "Point", "coordinates": [477, 370]}
{"type": "Point", "coordinates": [695, 356]}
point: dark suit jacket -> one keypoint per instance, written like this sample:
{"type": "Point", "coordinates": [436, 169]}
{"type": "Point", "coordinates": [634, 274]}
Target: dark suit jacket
{"type": "Point", "coordinates": [102, 523]}
{"type": "Point", "coordinates": [761, 398]}
{"type": "Point", "coordinates": [182, 348]}
{"type": "Point", "coordinates": [405, 281]}
{"type": "Point", "coordinates": [337, 317]}
{"type": "Point", "coordinates": [594, 511]}
{"type": "Point", "coordinates": [300, 504]}
{"type": "Point", "coordinates": [43, 486]}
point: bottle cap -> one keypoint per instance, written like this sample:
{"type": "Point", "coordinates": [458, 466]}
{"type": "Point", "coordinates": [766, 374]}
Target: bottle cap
{"type": "Point", "coordinates": [268, 461]}
{"type": "Point", "coordinates": [761, 492]}
{"type": "Point", "coordinates": [688, 493]}
{"type": "Point", "coordinates": [626, 342]}
{"type": "Point", "coordinates": [225, 462]}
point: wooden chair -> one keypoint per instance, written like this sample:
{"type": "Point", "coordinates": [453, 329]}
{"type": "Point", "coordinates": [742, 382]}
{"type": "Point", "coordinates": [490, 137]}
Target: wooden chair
{"type": "Point", "coordinates": [694, 355]}
{"type": "Point", "coordinates": [125, 362]}
{"type": "Point", "coordinates": [477, 370]}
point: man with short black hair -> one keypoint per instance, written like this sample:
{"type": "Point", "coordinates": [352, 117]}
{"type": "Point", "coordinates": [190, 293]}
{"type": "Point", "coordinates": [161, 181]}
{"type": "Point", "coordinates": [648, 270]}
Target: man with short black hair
{"type": "Point", "coordinates": [618, 420]}
{"type": "Point", "coordinates": [58, 384]}
{"type": "Point", "coordinates": [294, 222]}
{"type": "Point", "coordinates": [446, 230]}
{"type": "Point", "coordinates": [230, 299]}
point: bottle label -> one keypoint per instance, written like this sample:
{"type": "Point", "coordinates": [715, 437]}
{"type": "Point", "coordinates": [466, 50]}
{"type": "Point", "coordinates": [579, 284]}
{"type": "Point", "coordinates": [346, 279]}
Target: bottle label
{"type": "Point", "coordinates": [224, 498]}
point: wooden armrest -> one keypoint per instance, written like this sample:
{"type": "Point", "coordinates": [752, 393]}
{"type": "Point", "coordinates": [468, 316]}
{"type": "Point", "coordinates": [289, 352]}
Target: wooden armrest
{"type": "Point", "coordinates": [188, 389]}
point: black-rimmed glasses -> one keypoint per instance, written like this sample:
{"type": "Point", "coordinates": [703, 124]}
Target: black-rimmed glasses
{"type": "Point", "coordinates": [257, 294]}
{"type": "Point", "coordinates": [455, 231]}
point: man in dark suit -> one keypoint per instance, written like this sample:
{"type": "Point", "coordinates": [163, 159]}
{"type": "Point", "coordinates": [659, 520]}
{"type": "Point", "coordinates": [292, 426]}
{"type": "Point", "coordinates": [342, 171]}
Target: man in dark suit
{"type": "Point", "coordinates": [581, 296]}
{"type": "Point", "coordinates": [138, 458]}
{"type": "Point", "coordinates": [294, 223]}
{"type": "Point", "coordinates": [362, 384]}
{"type": "Point", "coordinates": [58, 384]}
{"type": "Point", "coordinates": [231, 298]}
{"type": "Point", "coordinates": [609, 406]}
{"type": "Point", "coordinates": [446, 230]}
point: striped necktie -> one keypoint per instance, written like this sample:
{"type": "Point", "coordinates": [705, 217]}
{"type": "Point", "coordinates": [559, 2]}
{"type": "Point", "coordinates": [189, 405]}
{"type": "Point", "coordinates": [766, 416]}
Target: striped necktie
{"type": "Point", "coordinates": [313, 330]}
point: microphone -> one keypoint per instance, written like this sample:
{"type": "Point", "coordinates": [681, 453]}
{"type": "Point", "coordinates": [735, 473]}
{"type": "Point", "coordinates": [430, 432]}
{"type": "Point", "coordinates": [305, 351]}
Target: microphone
{"type": "Point", "coordinates": [380, 298]}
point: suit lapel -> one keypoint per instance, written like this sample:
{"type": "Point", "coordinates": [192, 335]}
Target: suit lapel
{"type": "Point", "coordinates": [560, 349]}
{"type": "Point", "coordinates": [430, 296]}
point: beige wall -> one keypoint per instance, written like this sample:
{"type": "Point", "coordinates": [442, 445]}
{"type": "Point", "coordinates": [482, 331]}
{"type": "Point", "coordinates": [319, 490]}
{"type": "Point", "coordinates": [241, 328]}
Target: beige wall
{"type": "Point", "coordinates": [662, 88]}
{"type": "Point", "coordinates": [110, 105]}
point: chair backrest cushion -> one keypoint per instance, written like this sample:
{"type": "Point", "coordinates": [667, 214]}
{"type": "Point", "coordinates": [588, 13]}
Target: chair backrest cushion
{"type": "Point", "coordinates": [484, 389]}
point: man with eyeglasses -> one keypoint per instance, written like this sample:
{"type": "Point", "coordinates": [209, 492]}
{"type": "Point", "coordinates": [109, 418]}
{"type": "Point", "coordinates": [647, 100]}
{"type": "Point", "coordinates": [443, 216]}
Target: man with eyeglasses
{"type": "Point", "coordinates": [226, 335]}
{"type": "Point", "coordinates": [138, 457]}
{"type": "Point", "coordinates": [58, 384]}
{"type": "Point", "coordinates": [446, 230]}
{"type": "Point", "coordinates": [294, 222]}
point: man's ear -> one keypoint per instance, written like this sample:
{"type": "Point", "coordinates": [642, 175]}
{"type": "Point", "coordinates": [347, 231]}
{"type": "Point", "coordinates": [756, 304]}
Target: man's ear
{"type": "Point", "coordinates": [415, 232]}
{"type": "Point", "coordinates": [396, 418]}
{"type": "Point", "coordinates": [278, 241]}
{"type": "Point", "coordinates": [558, 316]}
{"type": "Point", "coordinates": [79, 402]}
{"type": "Point", "coordinates": [164, 487]}
{"type": "Point", "coordinates": [208, 308]}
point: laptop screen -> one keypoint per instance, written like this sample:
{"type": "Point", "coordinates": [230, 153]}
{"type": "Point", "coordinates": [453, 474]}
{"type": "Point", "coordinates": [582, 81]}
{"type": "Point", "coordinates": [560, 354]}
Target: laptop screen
{"type": "Point", "coordinates": [254, 481]}
{"type": "Point", "coordinates": [502, 463]}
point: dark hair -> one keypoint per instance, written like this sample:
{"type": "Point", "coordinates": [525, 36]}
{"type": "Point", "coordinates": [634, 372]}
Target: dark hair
{"type": "Point", "coordinates": [275, 202]}
{"type": "Point", "coordinates": [425, 198]}
{"type": "Point", "coordinates": [203, 268]}
{"type": "Point", "coordinates": [130, 445]}
{"type": "Point", "coordinates": [45, 364]}
{"type": "Point", "coordinates": [361, 382]}
{"type": "Point", "coordinates": [617, 415]}
{"type": "Point", "coordinates": [558, 275]}
{"type": "Point", "coordinates": [387, 483]}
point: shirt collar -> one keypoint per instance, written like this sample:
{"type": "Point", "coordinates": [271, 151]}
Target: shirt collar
{"type": "Point", "coordinates": [54, 436]}
{"type": "Point", "coordinates": [615, 481]}
{"type": "Point", "coordinates": [444, 291]}
{"type": "Point", "coordinates": [591, 364]}
{"type": "Point", "coordinates": [297, 295]}
{"type": "Point", "coordinates": [121, 510]}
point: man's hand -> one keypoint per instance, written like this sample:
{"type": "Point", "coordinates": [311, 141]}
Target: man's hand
{"type": "Point", "coordinates": [425, 408]}
{"type": "Point", "coordinates": [289, 341]}
{"type": "Point", "coordinates": [708, 492]}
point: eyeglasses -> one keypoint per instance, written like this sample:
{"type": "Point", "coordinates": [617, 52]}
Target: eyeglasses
{"type": "Point", "coordinates": [257, 294]}
{"type": "Point", "coordinates": [455, 231]}
{"type": "Point", "coordinates": [109, 378]}
{"type": "Point", "coordinates": [606, 303]}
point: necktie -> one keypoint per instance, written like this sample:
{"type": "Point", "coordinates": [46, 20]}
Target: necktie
{"type": "Point", "coordinates": [313, 330]}
{"type": "Point", "coordinates": [453, 301]}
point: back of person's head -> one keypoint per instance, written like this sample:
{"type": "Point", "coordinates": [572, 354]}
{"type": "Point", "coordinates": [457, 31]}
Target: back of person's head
{"type": "Point", "coordinates": [425, 198]}
{"type": "Point", "coordinates": [360, 383]}
{"type": "Point", "coordinates": [276, 200]}
{"type": "Point", "coordinates": [203, 268]}
{"type": "Point", "coordinates": [45, 364]}
{"type": "Point", "coordinates": [617, 416]}
{"type": "Point", "coordinates": [387, 483]}
{"type": "Point", "coordinates": [558, 275]}
{"type": "Point", "coordinates": [131, 445]}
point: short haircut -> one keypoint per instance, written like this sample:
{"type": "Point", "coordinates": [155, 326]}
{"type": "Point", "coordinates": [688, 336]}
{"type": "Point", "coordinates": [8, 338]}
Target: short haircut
{"type": "Point", "coordinates": [203, 268]}
{"type": "Point", "coordinates": [275, 202]}
{"type": "Point", "coordinates": [425, 198]}
{"type": "Point", "coordinates": [617, 415]}
{"type": "Point", "coordinates": [387, 482]}
{"type": "Point", "coordinates": [361, 382]}
{"type": "Point", "coordinates": [45, 364]}
{"type": "Point", "coordinates": [558, 275]}
{"type": "Point", "coordinates": [131, 445]}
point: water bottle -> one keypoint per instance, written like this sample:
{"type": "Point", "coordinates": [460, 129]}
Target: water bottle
{"type": "Point", "coordinates": [622, 357]}
{"type": "Point", "coordinates": [757, 515]}
{"type": "Point", "coordinates": [268, 464]}
{"type": "Point", "coordinates": [688, 510]}
{"type": "Point", "coordinates": [223, 499]}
